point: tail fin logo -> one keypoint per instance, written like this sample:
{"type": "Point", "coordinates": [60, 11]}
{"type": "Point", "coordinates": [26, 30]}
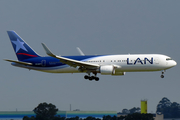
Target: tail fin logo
{"type": "Point", "coordinates": [19, 45]}
{"type": "Point", "coordinates": [21, 48]}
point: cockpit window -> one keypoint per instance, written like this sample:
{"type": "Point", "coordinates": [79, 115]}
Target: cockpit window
{"type": "Point", "coordinates": [168, 59]}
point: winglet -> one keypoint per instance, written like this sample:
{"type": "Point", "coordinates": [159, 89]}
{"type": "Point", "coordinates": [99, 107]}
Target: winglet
{"type": "Point", "coordinates": [48, 52]}
{"type": "Point", "coordinates": [79, 50]}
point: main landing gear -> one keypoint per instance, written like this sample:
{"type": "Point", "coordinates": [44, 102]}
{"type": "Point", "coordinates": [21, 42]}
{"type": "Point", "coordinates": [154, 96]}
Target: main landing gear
{"type": "Point", "coordinates": [162, 75]}
{"type": "Point", "coordinates": [91, 77]}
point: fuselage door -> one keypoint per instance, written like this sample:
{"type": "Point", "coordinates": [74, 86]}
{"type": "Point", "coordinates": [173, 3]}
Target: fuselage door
{"type": "Point", "coordinates": [43, 63]}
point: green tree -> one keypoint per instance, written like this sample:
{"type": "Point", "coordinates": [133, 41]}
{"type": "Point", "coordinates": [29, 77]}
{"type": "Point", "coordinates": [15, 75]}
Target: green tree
{"type": "Point", "coordinates": [131, 111]}
{"type": "Point", "coordinates": [108, 117]}
{"type": "Point", "coordinates": [90, 118]}
{"type": "Point", "coordinates": [139, 116]}
{"type": "Point", "coordinates": [125, 111]}
{"type": "Point", "coordinates": [134, 110]}
{"type": "Point", "coordinates": [59, 118]}
{"type": "Point", "coordinates": [29, 118]}
{"type": "Point", "coordinates": [170, 110]}
{"type": "Point", "coordinates": [175, 110]}
{"type": "Point", "coordinates": [45, 111]}
{"type": "Point", "coordinates": [121, 117]}
{"type": "Point", "coordinates": [73, 118]}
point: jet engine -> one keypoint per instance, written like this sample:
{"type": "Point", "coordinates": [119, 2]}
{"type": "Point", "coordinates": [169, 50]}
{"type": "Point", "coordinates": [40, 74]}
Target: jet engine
{"type": "Point", "coordinates": [110, 70]}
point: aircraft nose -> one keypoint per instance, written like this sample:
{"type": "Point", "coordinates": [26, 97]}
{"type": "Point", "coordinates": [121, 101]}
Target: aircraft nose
{"type": "Point", "coordinates": [174, 63]}
{"type": "Point", "coordinates": [171, 63]}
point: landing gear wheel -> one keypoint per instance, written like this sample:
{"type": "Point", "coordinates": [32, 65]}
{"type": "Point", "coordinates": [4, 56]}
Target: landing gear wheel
{"type": "Point", "coordinates": [96, 79]}
{"type": "Point", "coordinates": [162, 76]}
{"type": "Point", "coordinates": [86, 77]}
{"type": "Point", "coordinates": [90, 78]}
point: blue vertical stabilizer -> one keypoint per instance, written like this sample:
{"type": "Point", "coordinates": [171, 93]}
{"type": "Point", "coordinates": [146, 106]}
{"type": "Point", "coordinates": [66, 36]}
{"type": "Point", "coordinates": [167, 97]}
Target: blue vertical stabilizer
{"type": "Point", "coordinates": [22, 49]}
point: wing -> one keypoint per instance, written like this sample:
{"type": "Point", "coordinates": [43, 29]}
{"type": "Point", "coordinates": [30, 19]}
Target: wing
{"type": "Point", "coordinates": [71, 62]}
{"type": "Point", "coordinates": [19, 62]}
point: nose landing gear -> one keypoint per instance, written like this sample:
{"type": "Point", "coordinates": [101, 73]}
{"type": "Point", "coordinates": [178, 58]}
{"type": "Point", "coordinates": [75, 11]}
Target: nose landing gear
{"type": "Point", "coordinates": [162, 75]}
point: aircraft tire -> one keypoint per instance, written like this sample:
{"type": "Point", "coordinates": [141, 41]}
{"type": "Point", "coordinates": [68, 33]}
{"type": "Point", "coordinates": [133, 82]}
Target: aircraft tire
{"type": "Point", "coordinates": [96, 79]}
{"type": "Point", "coordinates": [90, 78]}
{"type": "Point", "coordinates": [86, 77]}
{"type": "Point", "coordinates": [162, 76]}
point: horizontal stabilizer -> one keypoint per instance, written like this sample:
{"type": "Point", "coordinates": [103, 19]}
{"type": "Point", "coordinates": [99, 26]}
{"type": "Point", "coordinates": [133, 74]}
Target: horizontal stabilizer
{"type": "Point", "coordinates": [19, 62]}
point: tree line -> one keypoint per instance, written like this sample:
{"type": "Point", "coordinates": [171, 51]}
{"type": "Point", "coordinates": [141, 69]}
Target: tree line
{"type": "Point", "coordinates": [170, 109]}
{"type": "Point", "coordinates": [46, 111]}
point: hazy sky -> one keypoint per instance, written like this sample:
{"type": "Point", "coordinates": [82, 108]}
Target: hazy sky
{"type": "Point", "coordinates": [97, 27]}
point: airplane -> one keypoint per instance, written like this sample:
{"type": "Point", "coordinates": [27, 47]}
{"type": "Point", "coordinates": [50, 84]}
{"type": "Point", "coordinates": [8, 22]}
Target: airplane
{"type": "Point", "coordinates": [115, 65]}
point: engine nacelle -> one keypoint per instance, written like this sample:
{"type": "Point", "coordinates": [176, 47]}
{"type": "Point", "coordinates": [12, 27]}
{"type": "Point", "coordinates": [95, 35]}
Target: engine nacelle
{"type": "Point", "coordinates": [109, 70]}
{"type": "Point", "coordinates": [119, 73]}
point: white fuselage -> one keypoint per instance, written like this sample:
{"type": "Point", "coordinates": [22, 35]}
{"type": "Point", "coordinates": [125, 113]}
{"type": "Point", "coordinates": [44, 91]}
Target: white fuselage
{"type": "Point", "coordinates": [123, 63]}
